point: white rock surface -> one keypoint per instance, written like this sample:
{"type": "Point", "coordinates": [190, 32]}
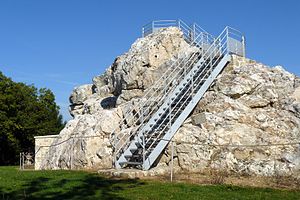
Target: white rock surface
{"type": "Point", "coordinates": [93, 106]}
{"type": "Point", "coordinates": [249, 104]}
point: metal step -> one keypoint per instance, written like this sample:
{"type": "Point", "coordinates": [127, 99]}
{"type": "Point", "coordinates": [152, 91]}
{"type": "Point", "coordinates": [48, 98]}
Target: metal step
{"type": "Point", "coordinates": [131, 156]}
{"type": "Point", "coordinates": [131, 163]}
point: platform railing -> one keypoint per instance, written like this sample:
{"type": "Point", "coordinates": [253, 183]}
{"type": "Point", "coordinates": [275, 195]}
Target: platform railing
{"type": "Point", "coordinates": [190, 32]}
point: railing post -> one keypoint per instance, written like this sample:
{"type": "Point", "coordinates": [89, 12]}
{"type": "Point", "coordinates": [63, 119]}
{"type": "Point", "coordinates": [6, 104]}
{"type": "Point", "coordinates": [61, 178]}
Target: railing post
{"type": "Point", "coordinates": [244, 46]}
{"type": "Point", "coordinates": [143, 32]}
{"type": "Point", "coordinates": [194, 33]}
{"type": "Point", "coordinates": [179, 23]}
{"type": "Point", "coordinates": [206, 39]}
{"type": "Point", "coordinates": [23, 161]}
{"type": "Point", "coordinates": [227, 36]}
{"type": "Point", "coordinates": [192, 84]}
{"type": "Point", "coordinates": [142, 113]}
{"type": "Point", "coordinates": [152, 26]}
{"type": "Point", "coordinates": [184, 68]}
{"type": "Point", "coordinates": [20, 161]}
{"type": "Point", "coordinates": [165, 87]}
{"type": "Point", "coordinates": [227, 32]}
{"type": "Point", "coordinates": [202, 43]}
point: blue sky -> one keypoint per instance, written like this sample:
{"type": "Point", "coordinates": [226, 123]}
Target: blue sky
{"type": "Point", "coordinates": [60, 44]}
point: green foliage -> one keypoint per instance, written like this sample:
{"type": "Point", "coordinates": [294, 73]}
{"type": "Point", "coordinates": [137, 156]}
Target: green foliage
{"type": "Point", "coordinates": [81, 185]}
{"type": "Point", "coordinates": [25, 112]}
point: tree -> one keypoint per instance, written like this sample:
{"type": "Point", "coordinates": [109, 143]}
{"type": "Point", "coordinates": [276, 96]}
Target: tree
{"type": "Point", "coordinates": [25, 112]}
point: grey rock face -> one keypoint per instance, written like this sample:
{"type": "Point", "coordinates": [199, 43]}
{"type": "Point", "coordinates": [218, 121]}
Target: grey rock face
{"type": "Point", "coordinates": [249, 104]}
{"type": "Point", "coordinates": [81, 93]}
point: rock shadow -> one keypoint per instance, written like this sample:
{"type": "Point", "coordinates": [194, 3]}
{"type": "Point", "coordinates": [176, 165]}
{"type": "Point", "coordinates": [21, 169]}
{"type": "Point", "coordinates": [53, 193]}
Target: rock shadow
{"type": "Point", "coordinates": [91, 186]}
{"type": "Point", "coordinates": [109, 102]}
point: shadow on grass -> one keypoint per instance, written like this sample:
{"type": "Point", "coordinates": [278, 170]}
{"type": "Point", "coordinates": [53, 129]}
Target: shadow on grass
{"type": "Point", "coordinates": [91, 186]}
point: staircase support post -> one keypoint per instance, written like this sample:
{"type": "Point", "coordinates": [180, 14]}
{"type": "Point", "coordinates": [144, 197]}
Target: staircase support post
{"type": "Point", "coordinates": [144, 151]}
{"type": "Point", "coordinates": [170, 117]}
{"type": "Point", "coordinates": [143, 140]}
{"type": "Point", "coordinates": [192, 81]}
{"type": "Point", "coordinates": [115, 153]}
{"type": "Point", "coordinates": [172, 159]}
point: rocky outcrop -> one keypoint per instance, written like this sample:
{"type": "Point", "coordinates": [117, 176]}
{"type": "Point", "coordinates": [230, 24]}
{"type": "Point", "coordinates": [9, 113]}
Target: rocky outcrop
{"type": "Point", "coordinates": [97, 108]}
{"type": "Point", "coordinates": [247, 122]}
{"type": "Point", "coordinates": [84, 142]}
{"type": "Point", "coordinates": [249, 108]}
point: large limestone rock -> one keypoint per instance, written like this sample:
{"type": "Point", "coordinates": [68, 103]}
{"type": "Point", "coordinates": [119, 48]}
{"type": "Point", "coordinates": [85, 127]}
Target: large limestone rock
{"type": "Point", "coordinates": [84, 142]}
{"type": "Point", "coordinates": [248, 108]}
{"type": "Point", "coordinates": [249, 105]}
{"type": "Point", "coordinates": [97, 108]}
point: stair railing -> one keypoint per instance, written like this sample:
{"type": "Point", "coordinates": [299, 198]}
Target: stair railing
{"type": "Point", "coordinates": [198, 33]}
{"type": "Point", "coordinates": [158, 99]}
{"type": "Point", "coordinates": [189, 32]}
{"type": "Point", "coordinates": [217, 50]}
{"type": "Point", "coordinates": [171, 72]}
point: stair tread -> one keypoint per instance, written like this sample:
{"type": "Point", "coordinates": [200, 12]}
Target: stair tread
{"type": "Point", "coordinates": [132, 156]}
{"type": "Point", "coordinates": [131, 163]}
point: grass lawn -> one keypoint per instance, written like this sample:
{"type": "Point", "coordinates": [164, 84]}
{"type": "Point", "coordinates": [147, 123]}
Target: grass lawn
{"type": "Point", "coordinates": [15, 184]}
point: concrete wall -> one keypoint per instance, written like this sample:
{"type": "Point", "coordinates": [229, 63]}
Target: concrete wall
{"type": "Point", "coordinates": [42, 145]}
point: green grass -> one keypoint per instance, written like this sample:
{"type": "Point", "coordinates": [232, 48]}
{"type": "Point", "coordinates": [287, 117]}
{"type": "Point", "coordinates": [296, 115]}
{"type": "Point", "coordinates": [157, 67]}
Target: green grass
{"type": "Point", "coordinates": [15, 184]}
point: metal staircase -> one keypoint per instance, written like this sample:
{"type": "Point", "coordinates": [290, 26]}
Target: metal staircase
{"type": "Point", "coordinates": [150, 125]}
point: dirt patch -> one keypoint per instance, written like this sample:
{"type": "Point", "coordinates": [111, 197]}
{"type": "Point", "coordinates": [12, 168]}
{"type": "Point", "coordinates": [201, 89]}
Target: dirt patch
{"type": "Point", "coordinates": [216, 178]}
{"type": "Point", "coordinates": [211, 177]}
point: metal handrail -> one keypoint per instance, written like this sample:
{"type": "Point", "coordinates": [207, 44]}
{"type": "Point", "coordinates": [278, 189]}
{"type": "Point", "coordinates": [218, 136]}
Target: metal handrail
{"type": "Point", "coordinates": [153, 22]}
{"type": "Point", "coordinates": [177, 21]}
{"type": "Point", "coordinates": [220, 51]}
{"type": "Point", "coordinates": [186, 91]}
{"type": "Point", "coordinates": [161, 99]}
{"type": "Point", "coordinates": [158, 98]}
{"type": "Point", "coordinates": [179, 102]}
{"type": "Point", "coordinates": [182, 75]}
{"type": "Point", "coordinates": [157, 102]}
